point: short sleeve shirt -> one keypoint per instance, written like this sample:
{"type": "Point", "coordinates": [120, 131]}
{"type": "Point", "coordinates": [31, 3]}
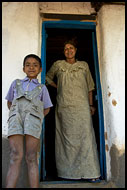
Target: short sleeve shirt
{"type": "Point", "coordinates": [29, 85]}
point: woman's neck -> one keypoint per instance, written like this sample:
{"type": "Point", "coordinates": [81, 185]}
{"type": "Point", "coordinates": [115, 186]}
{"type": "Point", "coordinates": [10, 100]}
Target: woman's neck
{"type": "Point", "coordinates": [71, 61]}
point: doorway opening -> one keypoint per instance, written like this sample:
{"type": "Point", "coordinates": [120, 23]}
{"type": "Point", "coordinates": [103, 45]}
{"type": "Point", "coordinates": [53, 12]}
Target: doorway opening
{"type": "Point", "coordinates": [54, 41]}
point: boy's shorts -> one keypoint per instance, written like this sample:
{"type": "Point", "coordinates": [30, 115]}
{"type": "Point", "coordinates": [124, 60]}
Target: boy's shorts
{"type": "Point", "coordinates": [24, 123]}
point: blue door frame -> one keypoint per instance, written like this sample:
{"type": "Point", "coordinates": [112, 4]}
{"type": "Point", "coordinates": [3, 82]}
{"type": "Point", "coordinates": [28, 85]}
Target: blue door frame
{"type": "Point", "coordinates": [74, 25]}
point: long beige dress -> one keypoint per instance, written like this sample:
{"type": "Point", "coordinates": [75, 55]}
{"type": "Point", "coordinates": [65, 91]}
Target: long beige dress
{"type": "Point", "coordinates": [75, 143]}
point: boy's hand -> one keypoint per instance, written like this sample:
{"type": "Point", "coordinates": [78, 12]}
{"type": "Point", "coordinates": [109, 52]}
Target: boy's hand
{"type": "Point", "coordinates": [46, 111]}
{"type": "Point", "coordinates": [9, 104]}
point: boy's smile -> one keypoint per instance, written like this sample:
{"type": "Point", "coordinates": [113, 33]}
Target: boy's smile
{"type": "Point", "coordinates": [32, 68]}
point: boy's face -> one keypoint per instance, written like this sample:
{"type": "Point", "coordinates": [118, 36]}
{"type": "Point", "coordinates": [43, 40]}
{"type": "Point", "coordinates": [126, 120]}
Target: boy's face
{"type": "Point", "coordinates": [32, 68]}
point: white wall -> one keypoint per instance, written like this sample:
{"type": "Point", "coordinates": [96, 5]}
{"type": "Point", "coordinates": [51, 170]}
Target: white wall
{"type": "Point", "coordinates": [112, 65]}
{"type": "Point", "coordinates": [21, 26]}
{"type": "Point", "coordinates": [111, 23]}
{"type": "Point", "coordinates": [80, 8]}
{"type": "Point", "coordinates": [20, 36]}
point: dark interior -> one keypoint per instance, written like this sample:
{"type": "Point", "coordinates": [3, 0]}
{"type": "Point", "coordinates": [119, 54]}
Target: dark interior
{"type": "Point", "coordinates": [54, 52]}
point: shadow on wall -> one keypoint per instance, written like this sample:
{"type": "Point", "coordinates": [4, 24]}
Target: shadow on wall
{"type": "Point", "coordinates": [23, 177]}
{"type": "Point", "coordinates": [117, 167]}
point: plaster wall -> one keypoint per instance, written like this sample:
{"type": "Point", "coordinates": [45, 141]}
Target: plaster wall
{"type": "Point", "coordinates": [112, 67]}
{"type": "Point", "coordinates": [111, 26]}
{"type": "Point", "coordinates": [80, 8]}
{"type": "Point", "coordinates": [20, 36]}
{"type": "Point", "coordinates": [111, 48]}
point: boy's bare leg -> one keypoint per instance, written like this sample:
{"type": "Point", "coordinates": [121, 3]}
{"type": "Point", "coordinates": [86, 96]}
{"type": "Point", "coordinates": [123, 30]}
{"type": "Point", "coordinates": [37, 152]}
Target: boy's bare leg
{"type": "Point", "coordinates": [16, 155]}
{"type": "Point", "coordinates": [31, 159]}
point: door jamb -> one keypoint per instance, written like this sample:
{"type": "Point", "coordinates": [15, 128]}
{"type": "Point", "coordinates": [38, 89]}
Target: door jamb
{"type": "Point", "coordinates": [75, 25]}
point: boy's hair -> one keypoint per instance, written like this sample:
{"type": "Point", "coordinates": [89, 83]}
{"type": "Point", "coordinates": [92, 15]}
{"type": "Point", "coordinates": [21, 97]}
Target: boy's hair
{"type": "Point", "coordinates": [33, 56]}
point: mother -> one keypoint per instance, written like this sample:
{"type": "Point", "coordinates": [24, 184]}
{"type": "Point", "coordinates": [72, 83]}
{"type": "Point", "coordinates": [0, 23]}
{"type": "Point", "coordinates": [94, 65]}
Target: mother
{"type": "Point", "coordinates": [75, 144]}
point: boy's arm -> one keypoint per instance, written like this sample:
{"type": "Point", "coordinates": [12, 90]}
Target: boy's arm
{"type": "Point", "coordinates": [10, 95]}
{"type": "Point", "coordinates": [46, 111]}
{"type": "Point", "coordinates": [9, 104]}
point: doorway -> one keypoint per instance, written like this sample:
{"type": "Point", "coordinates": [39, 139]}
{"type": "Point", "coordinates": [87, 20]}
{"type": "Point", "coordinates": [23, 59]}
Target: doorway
{"type": "Point", "coordinates": [53, 40]}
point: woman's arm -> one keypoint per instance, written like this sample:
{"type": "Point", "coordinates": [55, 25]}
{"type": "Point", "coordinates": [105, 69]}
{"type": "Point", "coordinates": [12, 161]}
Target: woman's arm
{"type": "Point", "coordinates": [92, 108]}
{"type": "Point", "coordinates": [53, 84]}
{"type": "Point", "coordinates": [50, 75]}
{"type": "Point", "coordinates": [91, 97]}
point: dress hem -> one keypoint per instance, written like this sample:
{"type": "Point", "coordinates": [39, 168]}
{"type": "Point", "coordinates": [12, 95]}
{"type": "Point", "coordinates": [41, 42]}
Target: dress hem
{"type": "Point", "coordinates": [80, 177]}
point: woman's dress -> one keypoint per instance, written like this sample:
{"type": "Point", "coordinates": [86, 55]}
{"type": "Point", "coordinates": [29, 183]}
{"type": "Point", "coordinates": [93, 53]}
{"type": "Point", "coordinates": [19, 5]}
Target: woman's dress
{"type": "Point", "coordinates": [75, 143]}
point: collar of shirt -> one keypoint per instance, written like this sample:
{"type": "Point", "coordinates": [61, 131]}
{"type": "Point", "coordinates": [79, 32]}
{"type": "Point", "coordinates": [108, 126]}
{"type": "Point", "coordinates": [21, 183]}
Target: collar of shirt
{"type": "Point", "coordinates": [33, 80]}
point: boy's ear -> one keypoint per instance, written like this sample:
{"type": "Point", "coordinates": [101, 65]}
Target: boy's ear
{"type": "Point", "coordinates": [23, 69]}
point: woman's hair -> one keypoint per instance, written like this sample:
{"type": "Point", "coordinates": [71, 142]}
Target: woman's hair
{"type": "Point", "coordinates": [33, 56]}
{"type": "Point", "coordinates": [72, 41]}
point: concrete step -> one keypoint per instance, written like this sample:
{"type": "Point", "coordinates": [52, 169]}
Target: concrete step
{"type": "Point", "coordinates": [70, 184]}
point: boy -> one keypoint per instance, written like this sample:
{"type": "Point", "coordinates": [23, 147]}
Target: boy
{"type": "Point", "coordinates": [28, 102]}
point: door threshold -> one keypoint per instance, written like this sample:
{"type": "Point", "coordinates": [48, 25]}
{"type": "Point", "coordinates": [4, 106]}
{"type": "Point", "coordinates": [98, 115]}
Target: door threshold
{"type": "Point", "coordinates": [69, 182]}
{"type": "Point", "coordinates": [76, 184]}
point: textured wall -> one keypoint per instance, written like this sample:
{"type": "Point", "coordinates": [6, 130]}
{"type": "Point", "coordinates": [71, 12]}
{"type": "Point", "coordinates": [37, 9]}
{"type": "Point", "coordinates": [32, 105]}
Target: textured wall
{"type": "Point", "coordinates": [20, 36]}
{"type": "Point", "coordinates": [111, 26]}
{"type": "Point", "coordinates": [83, 8]}
{"type": "Point", "coordinates": [117, 166]}
{"type": "Point", "coordinates": [112, 66]}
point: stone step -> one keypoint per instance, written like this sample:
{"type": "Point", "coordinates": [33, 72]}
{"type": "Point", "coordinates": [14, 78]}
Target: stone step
{"type": "Point", "coordinates": [70, 184]}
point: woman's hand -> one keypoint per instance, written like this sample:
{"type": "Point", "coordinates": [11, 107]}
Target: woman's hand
{"type": "Point", "coordinates": [92, 110]}
{"type": "Point", "coordinates": [53, 84]}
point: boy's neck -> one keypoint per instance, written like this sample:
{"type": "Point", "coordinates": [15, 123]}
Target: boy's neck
{"type": "Point", "coordinates": [31, 78]}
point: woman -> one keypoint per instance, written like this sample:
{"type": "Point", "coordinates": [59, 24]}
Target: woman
{"type": "Point", "coordinates": [75, 144]}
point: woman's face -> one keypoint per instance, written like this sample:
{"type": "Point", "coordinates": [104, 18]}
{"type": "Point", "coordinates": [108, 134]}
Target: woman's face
{"type": "Point", "coordinates": [69, 51]}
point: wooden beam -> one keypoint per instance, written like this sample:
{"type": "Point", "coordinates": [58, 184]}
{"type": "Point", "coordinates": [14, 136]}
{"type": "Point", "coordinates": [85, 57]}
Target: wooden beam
{"type": "Point", "coordinates": [52, 19]}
